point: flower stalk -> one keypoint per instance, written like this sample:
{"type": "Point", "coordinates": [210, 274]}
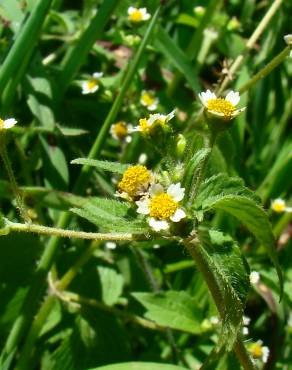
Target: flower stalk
{"type": "Point", "coordinates": [15, 189]}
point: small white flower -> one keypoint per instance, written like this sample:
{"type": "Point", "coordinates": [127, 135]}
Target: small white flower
{"type": "Point", "coordinates": [266, 353]}
{"type": "Point", "coordinates": [214, 320]}
{"type": "Point", "coordinates": [288, 39]}
{"type": "Point", "coordinates": [245, 330]}
{"type": "Point", "coordinates": [7, 123]}
{"type": "Point", "coordinates": [148, 100]}
{"type": "Point", "coordinates": [120, 131]}
{"type": "Point", "coordinates": [146, 125]}
{"type": "Point", "coordinates": [137, 15]}
{"type": "Point", "coordinates": [254, 277]}
{"type": "Point", "coordinates": [221, 107]}
{"type": "Point", "coordinates": [279, 205]}
{"type": "Point", "coordinates": [92, 85]}
{"type": "Point", "coordinates": [142, 158]}
{"type": "Point", "coordinates": [111, 245]}
{"type": "Point", "coordinates": [246, 320]}
{"type": "Point", "coordinates": [161, 206]}
{"type": "Point", "coordinates": [258, 351]}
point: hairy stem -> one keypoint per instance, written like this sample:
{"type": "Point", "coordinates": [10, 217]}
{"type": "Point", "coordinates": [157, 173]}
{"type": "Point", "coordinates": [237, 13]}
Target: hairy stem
{"type": "Point", "coordinates": [46, 230]}
{"type": "Point", "coordinates": [12, 180]}
{"type": "Point", "coordinates": [195, 250]}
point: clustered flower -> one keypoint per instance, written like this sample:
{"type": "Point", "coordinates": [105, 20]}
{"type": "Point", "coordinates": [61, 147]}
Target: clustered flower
{"type": "Point", "coordinates": [279, 206]}
{"type": "Point", "coordinates": [146, 125]}
{"type": "Point", "coordinates": [258, 351]}
{"type": "Point", "coordinates": [92, 85]}
{"type": "Point", "coordinates": [137, 15]}
{"type": "Point", "coordinates": [148, 100]}
{"type": "Point", "coordinates": [160, 205]}
{"type": "Point", "coordinates": [120, 131]}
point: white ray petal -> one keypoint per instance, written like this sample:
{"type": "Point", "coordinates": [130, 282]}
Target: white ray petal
{"type": "Point", "coordinates": [178, 215]}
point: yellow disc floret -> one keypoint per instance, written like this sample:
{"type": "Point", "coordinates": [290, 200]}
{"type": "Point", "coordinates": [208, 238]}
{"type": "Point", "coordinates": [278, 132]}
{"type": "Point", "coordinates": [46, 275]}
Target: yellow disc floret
{"type": "Point", "coordinates": [1, 124]}
{"type": "Point", "coordinates": [120, 130]}
{"type": "Point", "coordinates": [135, 180]}
{"type": "Point", "coordinates": [221, 105]}
{"type": "Point", "coordinates": [278, 205]}
{"type": "Point", "coordinates": [144, 126]}
{"type": "Point", "coordinates": [136, 16]}
{"type": "Point", "coordinates": [147, 98]}
{"type": "Point", "coordinates": [162, 206]}
{"type": "Point", "coordinates": [91, 84]}
{"type": "Point", "coordinates": [256, 350]}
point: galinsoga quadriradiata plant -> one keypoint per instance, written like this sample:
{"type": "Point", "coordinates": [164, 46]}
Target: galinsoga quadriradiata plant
{"type": "Point", "coordinates": [174, 201]}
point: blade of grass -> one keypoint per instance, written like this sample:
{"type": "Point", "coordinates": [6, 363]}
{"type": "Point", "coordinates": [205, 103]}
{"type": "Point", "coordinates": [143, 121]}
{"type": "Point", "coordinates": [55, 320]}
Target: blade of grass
{"type": "Point", "coordinates": [32, 299]}
{"type": "Point", "coordinates": [76, 54]}
{"type": "Point", "coordinates": [25, 42]}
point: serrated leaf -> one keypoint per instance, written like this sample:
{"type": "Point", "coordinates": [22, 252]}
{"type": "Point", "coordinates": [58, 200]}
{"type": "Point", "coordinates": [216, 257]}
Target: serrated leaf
{"type": "Point", "coordinates": [229, 270]}
{"type": "Point", "coordinates": [176, 310]}
{"type": "Point", "coordinates": [139, 366]}
{"type": "Point", "coordinates": [255, 219]}
{"type": "Point", "coordinates": [103, 165]}
{"type": "Point", "coordinates": [112, 215]}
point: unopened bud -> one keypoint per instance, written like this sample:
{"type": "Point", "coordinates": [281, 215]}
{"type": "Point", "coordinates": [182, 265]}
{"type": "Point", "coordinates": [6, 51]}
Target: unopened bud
{"type": "Point", "coordinates": [180, 145]}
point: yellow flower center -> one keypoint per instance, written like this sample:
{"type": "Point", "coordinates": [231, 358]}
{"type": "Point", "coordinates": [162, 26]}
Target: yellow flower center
{"type": "Point", "coordinates": [120, 130]}
{"type": "Point", "coordinates": [91, 84]}
{"type": "Point", "coordinates": [221, 105]}
{"type": "Point", "coordinates": [147, 99]}
{"type": "Point", "coordinates": [144, 126]}
{"type": "Point", "coordinates": [162, 206]}
{"type": "Point", "coordinates": [278, 206]}
{"type": "Point", "coordinates": [136, 16]}
{"type": "Point", "coordinates": [1, 124]}
{"type": "Point", "coordinates": [135, 179]}
{"type": "Point", "coordinates": [256, 350]}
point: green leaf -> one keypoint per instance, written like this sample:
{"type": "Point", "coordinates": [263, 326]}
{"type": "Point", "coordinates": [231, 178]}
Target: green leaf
{"type": "Point", "coordinates": [225, 262]}
{"type": "Point", "coordinates": [177, 57]}
{"type": "Point", "coordinates": [176, 310]}
{"type": "Point", "coordinates": [103, 165]}
{"type": "Point", "coordinates": [139, 366]}
{"type": "Point", "coordinates": [111, 285]}
{"type": "Point", "coordinates": [112, 215]}
{"type": "Point", "coordinates": [255, 219]}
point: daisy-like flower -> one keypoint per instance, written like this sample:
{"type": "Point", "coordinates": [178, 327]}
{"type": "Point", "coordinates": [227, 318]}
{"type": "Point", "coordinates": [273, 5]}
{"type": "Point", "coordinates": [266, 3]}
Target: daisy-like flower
{"type": "Point", "coordinates": [137, 15]}
{"type": "Point", "coordinates": [92, 85]}
{"type": "Point", "coordinates": [7, 123]}
{"type": "Point", "coordinates": [120, 131]}
{"type": "Point", "coordinates": [288, 40]}
{"type": "Point", "coordinates": [221, 107]}
{"type": "Point", "coordinates": [162, 207]}
{"type": "Point", "coordinates": [147, 125]}
{"type": "Point", "coordinates": [148, 100]}
{"type": "Point", "coordinates": [279, 205]}
{"type": "Point", "coordinates": [134, 183]}
{"type": "Point", "coordinates": [258, 351]}
{"type": "Point", "coordinates": [254, 277]}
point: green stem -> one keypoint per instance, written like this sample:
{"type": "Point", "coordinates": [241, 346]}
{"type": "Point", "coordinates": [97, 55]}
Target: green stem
{"type": "Point", "coordinates": [195, 250]}
{"type": "Point", "coordinates": [65, 233]}
{"type": "Point", "coordinates": [266, 70]}
{"type": "Point", "coordinates": [251, 41]}
{"type": "Point", "coordinates": [32, 299]}
{"type": "Point", "coordinates": [196, 182]}
{"type": "Point", "coordinates": [12, 180]}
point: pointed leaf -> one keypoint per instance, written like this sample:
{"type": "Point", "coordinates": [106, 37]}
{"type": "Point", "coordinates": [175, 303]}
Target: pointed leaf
{"type": "Point", "coordinates": [103, 165]}
{"type": "Point", "coordinates": [139, 366]}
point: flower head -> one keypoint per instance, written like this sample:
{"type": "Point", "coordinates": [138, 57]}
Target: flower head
{"type": "Point", "coordinates": [221, 107]}
{"type": "Point", "coordinates": [258, 351]}
{"type": "Point", "coordinates": [7, 123]}
{"type": "Point", "coordinates": [92, 85]}
{"type": "Point", "coordinates": [279, 205]}
{"type": "Point", "coordinates": [135, 182]}
{"type": "Point", "coordinates": [254, 277]}
{"type": "Point", "coordinates": [148, 100]}
{"type": "Point", "coordinates": [120, 131]}
{"type": "Point", "coordinates": [147, 125]}
{"type": "Point", "coordinates": [137, 15]}
{"type": "Point", "coordinates": [162, 206]}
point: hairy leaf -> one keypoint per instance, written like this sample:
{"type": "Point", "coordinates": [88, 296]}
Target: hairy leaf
{"type": "Point", "coordinates": [176, 310]}
{"type": "Point", "coordinates": [103, 165]}
{"type": "Point", "coordinates": [140, 366]}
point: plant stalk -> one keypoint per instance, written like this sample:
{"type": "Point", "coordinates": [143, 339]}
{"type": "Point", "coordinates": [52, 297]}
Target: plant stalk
{"type": "Point", "coordinates": [251, 42]}
{"type": "Point", "coordinates": [15, 189]}
{"type": "Point", "coordinates": [195, 250]}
